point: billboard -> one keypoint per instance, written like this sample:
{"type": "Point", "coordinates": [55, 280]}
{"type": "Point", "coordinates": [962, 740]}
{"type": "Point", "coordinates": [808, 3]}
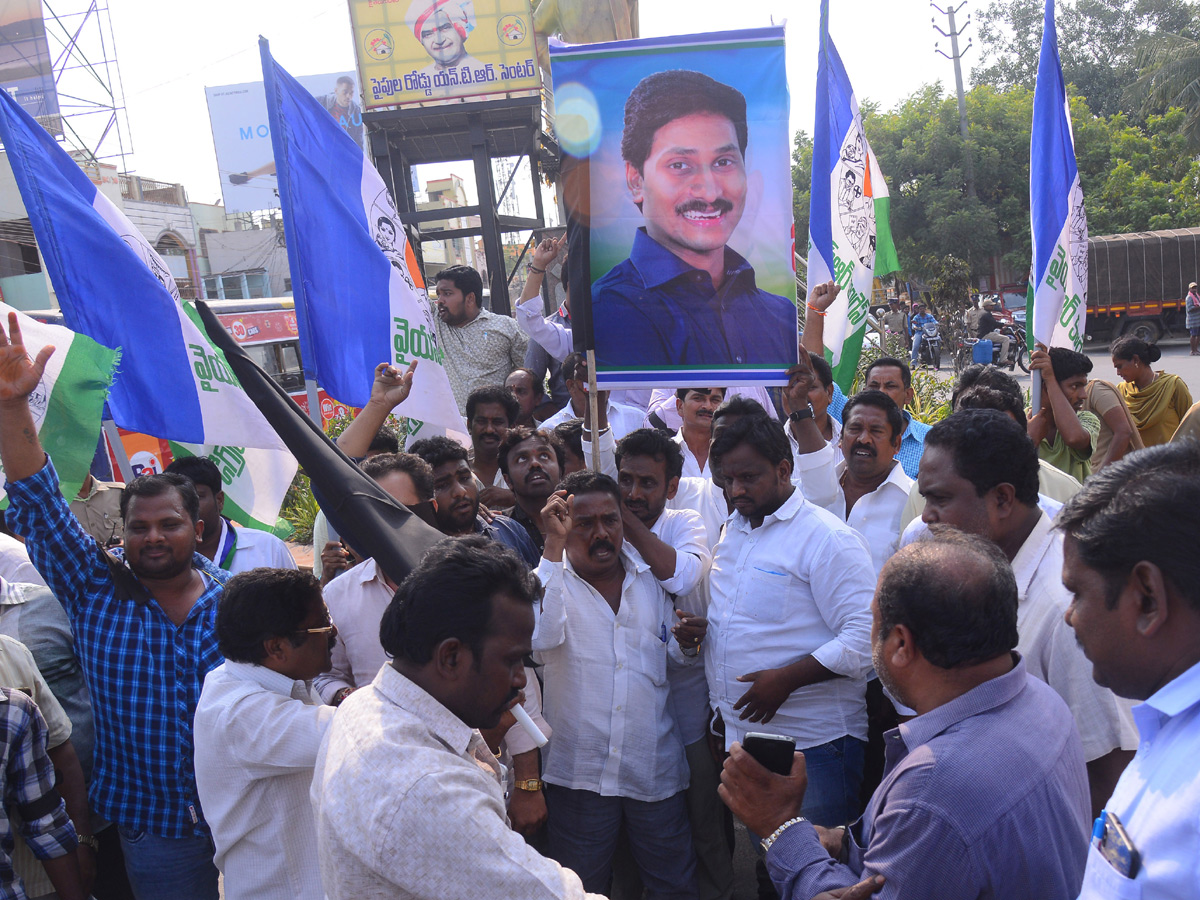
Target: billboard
{"type": "Point", "coordinates": [684, 148]}
{"type": "Point", "coordinates": [242, 137]}
{"type": "Point", "coordinates": [415, 51]}
{"type": "Point", "coordinates": [25, 70]}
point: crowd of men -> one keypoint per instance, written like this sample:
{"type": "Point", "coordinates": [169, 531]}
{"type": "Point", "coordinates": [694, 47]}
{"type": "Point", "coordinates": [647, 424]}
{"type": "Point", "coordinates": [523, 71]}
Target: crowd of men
{"type": "Point", "coordinates": [949, 624]}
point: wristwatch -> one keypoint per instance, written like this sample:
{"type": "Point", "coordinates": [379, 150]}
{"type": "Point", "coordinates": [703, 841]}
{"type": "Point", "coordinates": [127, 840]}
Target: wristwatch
{"type": "Point", "coordinates": [89, 840]}
{"type": "Point", "coordinates": [774, 835]}
{"type": "Point", "coordinates": [531, 784]}
{"type": "Point", "coordinates": [801, 414]}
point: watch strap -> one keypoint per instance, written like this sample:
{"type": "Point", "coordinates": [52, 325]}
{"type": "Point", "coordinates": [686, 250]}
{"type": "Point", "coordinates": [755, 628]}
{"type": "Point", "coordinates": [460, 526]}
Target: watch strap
{"type": "Point", "coordinates": [529, 784]}
{"type": "Point", "coordinates": [801, 414]}
{"type": "Point", "coordinates": [774, 835]}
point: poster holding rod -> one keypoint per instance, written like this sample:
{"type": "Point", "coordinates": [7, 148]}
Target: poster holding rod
{"type": "Point", "coordinates": [677, 185]}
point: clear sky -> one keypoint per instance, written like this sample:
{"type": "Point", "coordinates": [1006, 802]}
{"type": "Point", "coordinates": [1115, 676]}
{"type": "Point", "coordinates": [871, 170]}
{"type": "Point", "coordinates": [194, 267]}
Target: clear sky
{"type": "Point", "coordinates": [168, 53]}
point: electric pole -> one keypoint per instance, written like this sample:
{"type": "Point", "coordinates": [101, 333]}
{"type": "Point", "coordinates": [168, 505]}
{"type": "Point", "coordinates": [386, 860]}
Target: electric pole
{"type": "Point", "coordinates": [955, 57]}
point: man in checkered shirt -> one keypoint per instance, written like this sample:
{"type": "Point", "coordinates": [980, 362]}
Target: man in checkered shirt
{"type": "Point", "coordinates": [28, 782]}
{"type": "Point", "coordinates": [144, 632]}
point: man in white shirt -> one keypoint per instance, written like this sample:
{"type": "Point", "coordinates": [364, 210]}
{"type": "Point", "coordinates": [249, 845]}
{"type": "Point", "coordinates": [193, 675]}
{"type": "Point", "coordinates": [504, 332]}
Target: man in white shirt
{"type": "Point", "coordinates": [604, 635]}
{"type": "Point", "coordinates": [408, 798]}
{"type": "Point", "coordinates": [980, 474]}
{"type": "Point", "coordinates": [675, 545]}
{"type": "Point", "coordinates": [15, 566]}
{"type": "Point", "coordinates": [258, 727]}
{"type": "Point", "coordinates": [868, 489]}
{"type": "Point", "coordinates": [695, 407]}
{"type": "Point", "coordinates": [232, 549]}
{"type": "Point", "coordinates": [790, 618]}
{"type": "Point", "coordinates": [1131, 564]}
{"type": "Point", "coordinates": [621, 418]}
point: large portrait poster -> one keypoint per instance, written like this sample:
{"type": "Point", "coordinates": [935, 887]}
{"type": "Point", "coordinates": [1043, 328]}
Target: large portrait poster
{"type": "Point", "coordinates": [415, 51]}
{"type": "Point", "coordinates": [683, 143]}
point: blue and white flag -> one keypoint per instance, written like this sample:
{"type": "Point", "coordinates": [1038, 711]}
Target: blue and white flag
{"type": "Point", "coordinates": [111, 285]}
{"type": "Point", "coordinates": [1059, 222]}
{"type": "Point", "coordinates": [357, 304]}
{"type": "Point", "coordinates": [849, 235]}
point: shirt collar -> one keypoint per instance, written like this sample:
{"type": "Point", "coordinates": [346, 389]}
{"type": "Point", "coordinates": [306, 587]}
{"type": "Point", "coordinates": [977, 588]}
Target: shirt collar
{"type": "Point", "coordinates": [992, 693]}
{"type": "Point", "coordinates": [12, 593]}
{"type": "Point", "coordinates": [269, 679]}
{"type": "Point", "coordinates": [786, 511]}
{"type": "Point", "coordinates": [449, 728]}
{"type": "Point", "coordinates": [1033, 551]}
{"type": "Point", "coordinates": [1177, 695]}
{"type": "Point", "coordinates": [897, 477]}
{"type": "Point", "coordinates": [657, 265]}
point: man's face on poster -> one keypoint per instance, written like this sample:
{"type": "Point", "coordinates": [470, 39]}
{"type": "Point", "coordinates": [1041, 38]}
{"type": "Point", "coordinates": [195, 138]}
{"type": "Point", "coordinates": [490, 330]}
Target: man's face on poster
{"type": "Point", "coordinates": [441, 40]}
{"type": "Point", "coordinates": [692, 189]}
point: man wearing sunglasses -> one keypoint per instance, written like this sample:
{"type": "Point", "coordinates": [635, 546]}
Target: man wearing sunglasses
{"type": "Point", "coordinates": [259, 725]}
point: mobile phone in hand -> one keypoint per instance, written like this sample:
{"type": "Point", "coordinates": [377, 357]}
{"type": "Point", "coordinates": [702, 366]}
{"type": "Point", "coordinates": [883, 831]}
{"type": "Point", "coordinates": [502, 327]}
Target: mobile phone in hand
{"type": "Point", "coordinates": [774, 752]}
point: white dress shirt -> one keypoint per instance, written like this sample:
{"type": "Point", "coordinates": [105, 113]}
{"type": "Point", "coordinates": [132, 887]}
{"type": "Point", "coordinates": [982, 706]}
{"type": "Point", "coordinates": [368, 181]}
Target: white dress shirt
{"type": "Point", "coordinates": [834, 443]}
{"type": "Point", "coordinates": [702, 496]}
{"type": "Point", "coordinates": [800, 584]}
{"type": "Point", "coordinates": [876, 516]}
{"type": "Point", "coordinates": [356, 601]}
{"type": "Point", "coordinates": [691, 466]}
{"type": "Point", "coordinates": [622, 419]}
{"type": "Point", "coordinates": [1156, 800]}
{"type": "Point", "coordinates": [257, 736]}
{"type": "Point", "coordinates": [1051, 653]}
{"type": "Point", "coordinates": [409, 806]}
{"type": "Point", "coordinates": [544, 330]}
{"type": "Point", "coordinates": [252, 549]}
{"type": "Point", "coordinates": [15, 566]}
{"type": "Point", "coordinates": [605, 684]}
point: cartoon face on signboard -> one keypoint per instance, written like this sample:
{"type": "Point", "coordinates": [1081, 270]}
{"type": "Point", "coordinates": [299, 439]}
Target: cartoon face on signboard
{"type": "Point", "coordinates": [854, 199]}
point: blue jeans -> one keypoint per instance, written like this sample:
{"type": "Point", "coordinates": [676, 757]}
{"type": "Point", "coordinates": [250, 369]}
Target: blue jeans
{"type": "Point", "coordinates": [916, 347]}
{"type": "Point", "coordinates": [162, 868]}
{"type": "Point", "coordinates": [835, 774]}
{"type": "Point", "coordinates": [582, 834]}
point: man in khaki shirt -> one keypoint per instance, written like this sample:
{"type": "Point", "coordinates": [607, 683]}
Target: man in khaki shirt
{"type": "Point", "coordinates": [98, 509]}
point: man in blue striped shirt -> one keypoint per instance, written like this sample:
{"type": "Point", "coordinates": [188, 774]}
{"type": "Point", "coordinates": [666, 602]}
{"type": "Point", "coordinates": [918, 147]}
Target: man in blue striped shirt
{"type": "Point", "coordinates": [144, 633]}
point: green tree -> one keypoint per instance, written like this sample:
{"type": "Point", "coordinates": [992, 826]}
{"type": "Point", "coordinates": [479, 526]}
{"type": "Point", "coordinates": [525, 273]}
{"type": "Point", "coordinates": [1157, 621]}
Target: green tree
{"type": "Point", "coordinates": [1098, 44]}
{"type": "Point", "coordinates": [1169, 66]}
{"type": "Point", "coordinates": [802, 153]}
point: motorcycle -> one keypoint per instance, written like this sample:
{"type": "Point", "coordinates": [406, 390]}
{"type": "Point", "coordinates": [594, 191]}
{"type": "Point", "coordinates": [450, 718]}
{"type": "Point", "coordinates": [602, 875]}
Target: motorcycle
{"type": "Point", "coordinates": [930, 351]}
{"type": "Point", "coordinates": [1018, 350]}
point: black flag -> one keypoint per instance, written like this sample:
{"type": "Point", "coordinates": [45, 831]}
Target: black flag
{"type": "Point", "coordinates": [357, 508]}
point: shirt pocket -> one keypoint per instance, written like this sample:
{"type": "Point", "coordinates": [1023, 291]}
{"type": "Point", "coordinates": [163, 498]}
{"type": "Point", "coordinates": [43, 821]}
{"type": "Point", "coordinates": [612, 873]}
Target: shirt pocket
{"type": "Point", "coordinates": [650, 654]}
{"type": "Point", "coordinates": [1101, 880]}
{"type": "Point", "coordinates": [764, 597]}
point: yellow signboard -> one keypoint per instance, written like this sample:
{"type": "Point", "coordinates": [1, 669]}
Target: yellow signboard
{"type": "Point", "coordinates": [415, 51]}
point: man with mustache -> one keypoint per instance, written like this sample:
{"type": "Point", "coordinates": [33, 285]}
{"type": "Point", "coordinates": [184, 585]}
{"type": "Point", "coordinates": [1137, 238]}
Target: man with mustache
{"type": "Point", "coordinates": [532, 463]}
{"type": "Point", "coordinates": [695, 407]}
{"type": "Point", "coordinates": [622, 417]}
{"type": "Point", "coordinates": [868, 489]}
{"type": "Point", "coordinates": [604, 635]}
{"type": "Point", "coordinates": [684, 297]}
{"type": "Point", "coordinates": [491, 411]}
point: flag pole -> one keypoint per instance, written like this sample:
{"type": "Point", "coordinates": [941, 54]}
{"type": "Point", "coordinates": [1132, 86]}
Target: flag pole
{"type": "Point", "coordinates": [118, 449]}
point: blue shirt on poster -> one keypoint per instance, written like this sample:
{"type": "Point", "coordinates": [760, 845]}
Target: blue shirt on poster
{"type": "Point", "coordinates": [653, 309]}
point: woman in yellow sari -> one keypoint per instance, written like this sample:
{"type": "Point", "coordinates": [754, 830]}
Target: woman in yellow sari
{"type": "Point", "coordinates": [1156, 400]}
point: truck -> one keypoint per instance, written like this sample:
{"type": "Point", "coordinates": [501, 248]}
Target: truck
{"type": "Point", "coordinates": [1137, 283]}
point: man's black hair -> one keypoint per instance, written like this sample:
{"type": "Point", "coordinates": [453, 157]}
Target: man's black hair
{"type": "Point", "coordinates": [411, 464]}
{"type": "Point", "coordinates": [681, 393]}
{"type": "Point", "coordinates": [663, 97]}
{"type": "Point", "coordinates": [494, 393]}
{"type": "Point", "coordinates": [586, 481]}
{"type": "Point", "coordinates": [570, 433]}
{"type": "Point", "coordinates": [262, 604]}
{"type": "Point", "coordinates": [523, 433]}
{"type": "Point", "coordinates": [655, 444]}
{"type": "Point", "coordinates": [879, 400]}
{"type": "Point", "coordinates": [199, 470]}
{"type": "Point", "coordinates": [156, 486]}
{"type": "Point", "coordinates": [740, 405]}
{"type": "Point", "coordinates": [956, 593]}
{"type": "Point", "coordinates": [532, 376]}
{"type": "Point", "coordinates": [761, 432]}
{"type": "Point", "coordinates": [1067, 363]}
{"type": "Point", "coordinates": [451, 594]}
{"type": "Point", "coordinates": [821, 366]}
{"type": "Point", "coordinates": [989, 376]}
{"type": "Point", "coordinates": [465, 279]}
{"type": "Point", "coordinates": [989, 448]}
{"type": "Point", "coordinates": [440, 449]}
{"type": "Point", "coordinates": [385, 220]}
{"type": "Point", "coordinates": [1142, 507]}
{"type": "Point", "coordinates": [345, 79]}
{"type": "Point", "coordinates": [891, 362]}
{"type": "Point", "coordinates": [385, 441]}
{"type": "Point", "coordinates": [981, 396]}
{"type": "Point", "coordinates": [571, 366]}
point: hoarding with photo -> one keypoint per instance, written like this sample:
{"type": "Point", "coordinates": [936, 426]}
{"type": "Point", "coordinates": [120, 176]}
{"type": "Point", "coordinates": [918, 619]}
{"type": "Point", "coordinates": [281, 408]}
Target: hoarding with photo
{"type": "Point", "coordinates": [242, 137]}
{"type": "Point", "coordinates": [25, 69]}
{"type": "Point", "coordinates": [688, 209]}
{"type": "Point", "coordinates": [416, 51]}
